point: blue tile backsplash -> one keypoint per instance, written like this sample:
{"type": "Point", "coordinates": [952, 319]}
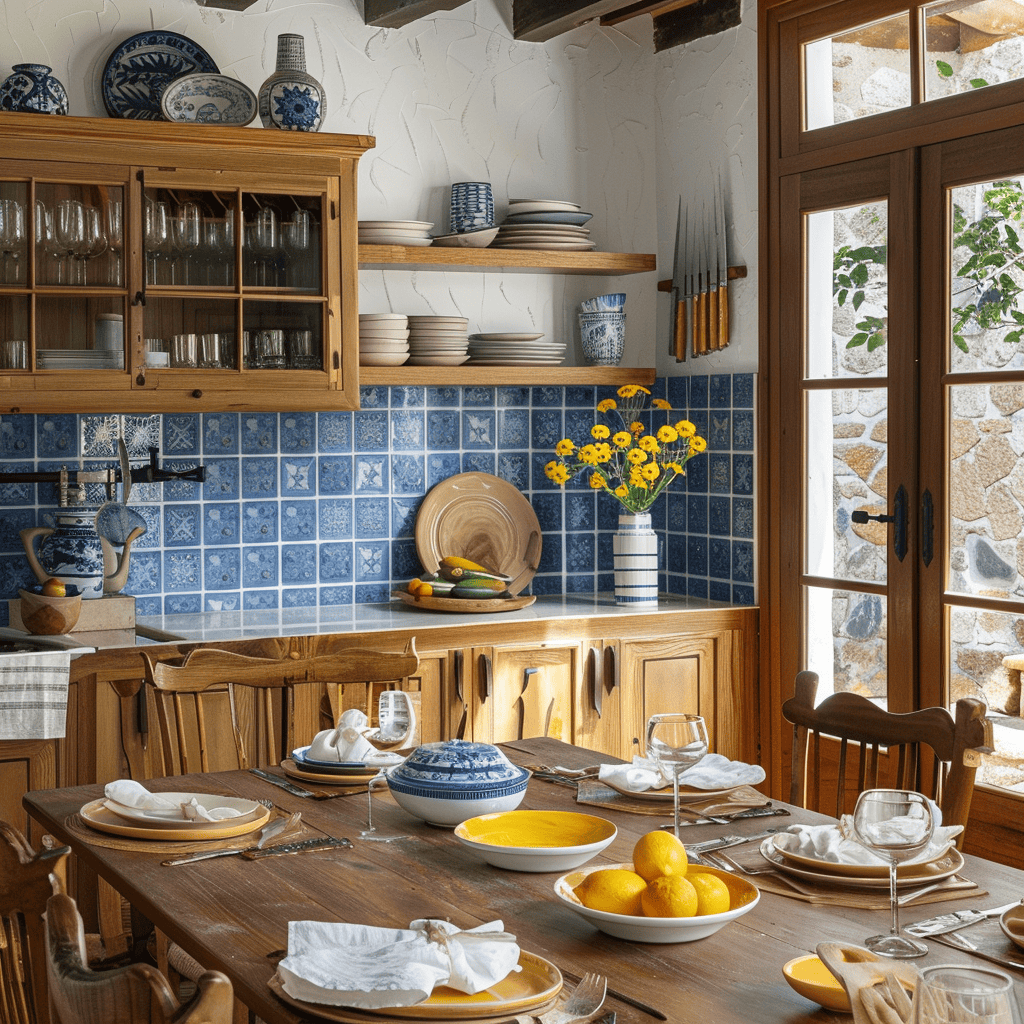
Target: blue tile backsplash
{"type": "Point", "coordinates": [301, 509]}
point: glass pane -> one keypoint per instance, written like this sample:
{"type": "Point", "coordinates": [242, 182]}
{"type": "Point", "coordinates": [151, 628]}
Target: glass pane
{"type": "Point", "coordinates": [75, 332]}
{"type": "Point", "coordinates": [14, 336]}
{"type": "Point", "coordinates": [283, 336]}
{"type": "Point", "coordinates": [189, 237]}
{"type": "Point", "coordinates": [846, 445]}
{"type": "Point", "coordinates": [281, 245]}
{"type": "Point", "coordinates": [846, 641]}
{"type": "Point", "coordinates": [986, 490]}
{"type": "Point", "coordinates": [862, 72]}
{"type": "Point", "coordinates": [847, 291]}
{"type": "Point", "coordinates": [979, 640]}
{"type": "Point", "coordinates": [14, 232]}
{"type": "Point", "coordinates": [79, 235]}
{"type": "Point", "coordinates": [970, 45]}
{"type": "Point", "coordinates": [987, 288]}
{"type": "Point", "coordinates": [193, 332]}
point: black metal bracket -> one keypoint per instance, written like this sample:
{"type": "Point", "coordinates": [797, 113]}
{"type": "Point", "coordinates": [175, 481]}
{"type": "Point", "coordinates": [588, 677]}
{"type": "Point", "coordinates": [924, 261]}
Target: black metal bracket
{"type": "Point", "coordinates": [153, 474]}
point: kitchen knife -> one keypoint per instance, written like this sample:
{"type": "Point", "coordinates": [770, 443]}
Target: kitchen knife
{"type": "Point", "coordinates": [724, 842]}
{"type": "Point", "coordinates": [723, 270]}
{"type": "Point", "coordinates": [693, 280]}
{"type": "Point", "coordinates": [945, 923]}
{"type": "Point", "coordinates": [712, 270]}
{"type": "Point", "coordinates": [306, 846]}
{"type": "Point", "coordinates": [276, 780]}
{"type": "Point", "coordinates": [677, 346]}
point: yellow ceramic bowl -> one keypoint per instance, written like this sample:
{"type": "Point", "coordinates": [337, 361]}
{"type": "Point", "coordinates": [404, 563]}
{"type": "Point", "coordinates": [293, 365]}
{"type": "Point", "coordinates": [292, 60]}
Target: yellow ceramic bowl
{"type": "Point", "coordinates": [536, 840]}
{"type": "Point", "coordinates": [814, 981]}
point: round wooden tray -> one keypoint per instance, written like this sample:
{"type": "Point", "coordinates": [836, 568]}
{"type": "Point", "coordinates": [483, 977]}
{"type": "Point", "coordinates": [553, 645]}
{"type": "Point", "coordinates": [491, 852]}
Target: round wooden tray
{"type": "Point", "coordinates": [465, 604]}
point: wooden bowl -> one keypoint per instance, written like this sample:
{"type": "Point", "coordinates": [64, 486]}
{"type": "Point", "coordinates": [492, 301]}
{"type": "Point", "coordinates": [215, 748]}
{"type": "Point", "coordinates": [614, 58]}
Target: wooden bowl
{"type": "Point", "coordinates": [49, 616]}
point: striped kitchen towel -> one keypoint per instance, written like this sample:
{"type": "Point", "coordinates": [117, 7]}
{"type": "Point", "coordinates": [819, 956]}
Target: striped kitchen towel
{"type": "Point", "coordinates": [34, 695]}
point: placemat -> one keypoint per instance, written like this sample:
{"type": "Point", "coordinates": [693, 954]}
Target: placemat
{"type": "Point", "coordinates": [597, 794]}
{"type": "Point", "coordinates": [80, 829]}
{"type": "Point", "coordinates": [988, 941]}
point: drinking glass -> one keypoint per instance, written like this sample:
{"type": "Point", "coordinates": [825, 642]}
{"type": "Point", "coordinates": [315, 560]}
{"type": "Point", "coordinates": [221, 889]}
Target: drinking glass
{"type": "Point", "coordinates": [295, 241]}
{"type": "Point", "coordinates": [897, 824]}
{"type": "Point", "coordinates": [676, 741]}
{"type": "Point", "coordinates": [159, 241]}
{"type": "Point", "coordinates": [94, 241]}
{"type": "Point", "coordinates": [187, 236]}
{"type": "Point", "coordinates": [964, 995]}
{"type": "Point", "coordinates": [265, 243]}
{"type": "Point", "coordinates": [370, 833]}
{"type": "Point", "coordinates": [69, 237]}
{"type": "Point", "coordinates": [12, 237]}
{"type": "Point", "coordinates": [114, 212]}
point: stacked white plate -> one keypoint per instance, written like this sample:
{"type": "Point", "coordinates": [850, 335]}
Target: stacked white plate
{"type": "Point", "coordinates": [514, 349]}
{"type": "Point", "coordinates": [383, 339]}
{"type": "Point", "coordinates": [79, 359]}
{"type": "Point", "coordinates": [438, 340]}
{"type": "Point", "coordinates": [395, 232]}
{"type": "Point", "coordinates": [552, 224]}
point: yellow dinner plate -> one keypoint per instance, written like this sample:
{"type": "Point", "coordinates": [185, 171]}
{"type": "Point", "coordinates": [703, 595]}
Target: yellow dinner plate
{"type": "Point", "coordinates": [100, 817]}
{"type": "Point", "coordinates": [290, 767]}
{"type": "Point", "coordinates": [532, 989]}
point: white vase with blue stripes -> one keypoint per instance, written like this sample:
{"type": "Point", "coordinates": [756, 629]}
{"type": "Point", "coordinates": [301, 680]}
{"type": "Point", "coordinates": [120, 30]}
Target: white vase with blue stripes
{"type": "Point", "coordinates": [635, 547]}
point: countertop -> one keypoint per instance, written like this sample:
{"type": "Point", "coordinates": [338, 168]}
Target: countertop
{"type": "Point", "coordinates": [363, 618]}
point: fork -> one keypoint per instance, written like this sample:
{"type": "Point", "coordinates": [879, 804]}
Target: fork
{"type": "Point", "coordinates": [584, 1001]}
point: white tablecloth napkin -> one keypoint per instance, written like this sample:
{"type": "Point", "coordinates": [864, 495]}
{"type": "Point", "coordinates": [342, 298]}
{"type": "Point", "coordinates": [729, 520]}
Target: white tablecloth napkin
{"type": "Point", "coordinates": [130, 793]}
{"type": "Point", "coordinates": [713, 771]}
{"type": "Point", "coordinates": [34, 695]}
{"type": "Point", "coordinates": [346, 743]}
{"type": "Point", "coordinates": [358, 965]}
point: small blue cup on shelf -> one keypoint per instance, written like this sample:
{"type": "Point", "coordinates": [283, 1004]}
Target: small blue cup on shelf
{"type": "Point", "coordinates": [602, 337]}
{"type": "Point", "coordinates": [472, 207]}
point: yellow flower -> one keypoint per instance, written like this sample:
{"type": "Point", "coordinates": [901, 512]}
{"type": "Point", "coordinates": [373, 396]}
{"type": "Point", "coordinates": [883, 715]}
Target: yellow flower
{"type": "Point", "coordinates": [651, 471]}
{"type": "Point", "coordinates": [667, 434]}
{"type": "Point", "coordinates": [607, 405]}
{"type": "Point", "coordinates": [636, 477]}
{"type": "Point", "coordinates": [686, 428]}
{"type": "Point", "coordinates": [621, 491]}
{"type": "Point", "coordinates": [636, 427]}
{"type": "Point", "coordinates": [649, 444]}
{"type": "Point", "coordinates": [636, 456]}
{"type": "Point", "coordinates": [565, 447]}
{"type": "Point", "coordinates": [549, 469]}
{"type": "Point", "coordinates": [660, 403]}
{"type": "Point", "coordinates": [588, 454]}
{"type": "Point", "coordinates": [604, 451]}
{"type": "Point", "coordinates": [596, 481]}
{"type": "Point", "coordinates": [623, 439]}
{"type": "Point", "coordinates": [675, 467]}
{"type": "Point", "coordinates": [559, 474]}
{"type": "Point", "coordinates": [600, 431]}
{"type": "Point", "coordinates": [697, 444]}
{"type": "Point", "coordinates": [630, 390]}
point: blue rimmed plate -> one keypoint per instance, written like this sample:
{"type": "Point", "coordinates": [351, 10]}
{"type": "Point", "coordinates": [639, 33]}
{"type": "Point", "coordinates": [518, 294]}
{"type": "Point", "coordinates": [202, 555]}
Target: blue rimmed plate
{"type": "Point", "coordinates": [208, 99]}
{"type": "Point", "coordinates": [141, 67]}
{"type": "Point", "coordinates": [551, 217]}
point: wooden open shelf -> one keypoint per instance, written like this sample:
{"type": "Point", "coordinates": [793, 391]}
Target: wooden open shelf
{"type": "Point", "coordinates": [492, 376]}
{"type": "Point", "coordinates": [522, 261]}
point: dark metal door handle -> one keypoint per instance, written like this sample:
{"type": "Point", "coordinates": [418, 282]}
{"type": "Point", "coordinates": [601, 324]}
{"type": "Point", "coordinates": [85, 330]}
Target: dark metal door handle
{"type": "Point", "coordinates": [597, 678]}
{"type": "Point", "coordinates": [898, 520]}
{"type": "Point", "coordinates": [487, 676]}
{"type": "Point", "coordinates": [927, 528]}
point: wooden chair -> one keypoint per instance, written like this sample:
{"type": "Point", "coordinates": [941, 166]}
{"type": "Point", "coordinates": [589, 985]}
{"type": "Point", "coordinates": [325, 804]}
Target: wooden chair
{"type": "Point", "coordinates": [27, 880]}
{"type": "Point", "coordinates": [136, 994]}
{"type": "Point", "coordinates": [930, 751]}
{"type": "Point", "coordinates": [261, 695]}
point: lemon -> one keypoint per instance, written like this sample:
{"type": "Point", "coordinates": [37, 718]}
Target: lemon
{"type": "Point", "coordinates": [613, 890]}
{"type": "Point", "coordinates": [669, 896]}
{"type": "Point", "coordinates": [659, 853]}
{"type": "Point", "coordinates": [713, 895]}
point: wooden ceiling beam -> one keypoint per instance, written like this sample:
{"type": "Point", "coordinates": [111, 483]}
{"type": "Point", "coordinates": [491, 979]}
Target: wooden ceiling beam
{"type": "Point", "coordinates": [695, 21]}
{"type": "Point", "coordinates": [652, 7]}
{"type": "Point", "coordinates": [396, 13]}
{"type": "Point", "coordinates": [537, 21]}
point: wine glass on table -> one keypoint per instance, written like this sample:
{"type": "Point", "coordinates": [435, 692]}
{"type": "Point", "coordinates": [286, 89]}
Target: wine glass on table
{"type": "Point", "coordinates": [964, 995]}
{"type": "Point", "coordinates": [896, 824]}
{"type": "Point", "coordinates": [675, 742]}
{"type": "Point", "coordinates": [371, 833]}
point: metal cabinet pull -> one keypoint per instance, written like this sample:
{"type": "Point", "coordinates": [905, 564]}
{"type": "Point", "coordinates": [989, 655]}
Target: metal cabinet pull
{"type": "Point", "coordinates": [597, 678]}
{"type": "Point", "coordinates": [486, 676]}
{"type": "Point", "coordinates": [611, 667]}
{"type": "Point", "coordinates": [927, 528]}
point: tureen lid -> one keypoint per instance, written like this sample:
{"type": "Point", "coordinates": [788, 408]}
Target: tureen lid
{"type": "Point", "coordinates": [459, 762]}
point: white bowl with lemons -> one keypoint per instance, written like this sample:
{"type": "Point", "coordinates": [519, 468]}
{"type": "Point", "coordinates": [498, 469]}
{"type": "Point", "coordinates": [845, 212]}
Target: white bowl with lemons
{"type": "Point", "coordinates": [743, 897]}
{"type": "Point", "coordinates": [536, 840]}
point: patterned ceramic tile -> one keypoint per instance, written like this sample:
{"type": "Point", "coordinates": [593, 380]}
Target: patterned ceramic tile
{"type": "Point", "coordinates": [222, 569]}
{"type": "Point", "coordinates": [698, 392]}
{"type": "Point", "coordinates": [371, 431]}
{"type": "Point", "coordinates": [153, 537]}
{"type": "Point", "coordinates": [408, 430]}
{"type": "Point", "coordinates": [719, 468]}
{"type": "Point", "coordinates": [140, 433]}
{"type": "Point", "coordinates": [298, 474]}
{"type": "Point", "coordinates": [221, 526]}
{"type": "Point", "coordinates": [259, 522]}
{"type": "Point", "coordinates": [743, 391]}
{"type": "Point", "coordinates": [583, 395]}
{"type": "Point", "coordinates": [743, 474]}
{"type": "Point", "coordinates": [335, 518]}
{"type": "Point", "coordinates": [299, 431]}
{"type": "Point", "coordinates": [183, 570]}
{"type": "Point", "coordinates": [443, 397]}
{"type": "Point", "coordinates": [373, 397]}
{"type": "Point", "coordinates": [407, 397]}
{"type": "Point", "coordinates": [334, 474]}
{"type": "Point", "coordinates": [544, 396]}
{"type": "Point", "coordinates": [719, 516]}
{"type": "Point", "coordinates": [407, 474]}
{"type": "Point", "coordinates": [222, 602]}
{"type": "Point", "coordinates": [300, 598]}
{"type": "Point", "coordinates": [12, 495]}
{"type": "Point", "coordinates": [99, 435]}
{"type": "Point", "coordinates": [743, 517]}
{"type": "Point", "coordinates": [677, 392]}
{"type": "Point", "coordinates": [182, 526]}
{"type": "Point", "coordinates": [336, 595]}
{"type": "Point", "coordinates": [442, 430]}
{"type": "Point", "coordinates": [56, 436]}
{"type": "Point", "coordinates": [513, 428]}
{"type": "Point", "coordinates": [515, 468]}
{"type": "Point", "coordinates": [476, 396]}
{"type": "Point", "coordinates": [181, 434]}
{"type": "Point", "coordinates": [579, 553]}
{"type": "Point", "coordinates": [335, 563]}
{"type": "Point", "coordinates": [298, 520]}
{"type": "Point", "coordinates": [697, 586]}
{"type": "Point", "coordinates": [675, 509]}
{"type": "Point", "coordinates": [259, 433]}
{"type": "Point", "coordinates": [372, 518]}
{"type": "Point", "coordinates": [743, 596]}
{"type": "Point", "coordinates": [372, 593]}
{"type": "Point", "coordinates": [580, 511]}
{"type": "Point", "coordinates": [551, 555]}
{"type": "Point", "coordinates": [405, 561]}
{"type": "Point", "coordinates": [11, 525]}
{"type": "Point", "coordinates": [578, 424]}
{"type": "Point", "coordinates": [298, 563]}
{"type": "Point", "coordinates": [259, 566]}
{"type": "Point", "coordinates": [720, 391]}
{"type": "Point", "coordinates": [547, 429]}
{"type": "Point", "coordinates": [719, 557]}
{"type": "Point", "coordinates": [697, 556]}
{"type": "Point", "coordinates": [371, 474]}
{"type": "Point", "coordinates": [221, 480]}
{"type": "Point", "coordinates": [743, 430]}
{"type": "Point", "coordinates": [697, 475]}
{"type": "Point", "coordinates": [697, 513]}
{"type": "Point", "coordinates": [403, 516]}
{"type": "Point", "coordinates": [334, 431]}
{"type": "Point", "coordinates": [183, 604]}
{"type": "Point", "coordinates": [478, 462]}
{"type": "Point", "coordinates": [719, 435]}
{"type": "Point", "coordinates": [440, 467]}
{"type": "Point", "coordinates": [719, 590]}
{"type": "Point", "coordinates": [506, 397]}
{"type": "Point", "coordinates": [743, 562]}
{"type": "Point", "coordinates": [220, 433]}
{"type": "Point", "coordinates": [144, 575]}
{"type": "Point", "coordinates": [187, 490]}
{"type": "Point", "coordinates": [259, 476]}
{"type": "Point", "coordinates": [257, 599]}
{"type": "Point", "coordinates": [148, 606]}
{"type": "Point", "coordinates": [675, 553]}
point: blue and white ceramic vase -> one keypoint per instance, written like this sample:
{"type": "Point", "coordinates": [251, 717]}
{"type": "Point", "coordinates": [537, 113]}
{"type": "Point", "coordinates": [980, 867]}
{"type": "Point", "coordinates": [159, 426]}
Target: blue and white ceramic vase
{"type": "Point", "coordinates": [33, 90]}
{"type": "Point", "coordinates": [635, 554]}
{"type": "Point", "coordinates": [290, 99]}
{"type": "Point", "coordinates": [70, 552]}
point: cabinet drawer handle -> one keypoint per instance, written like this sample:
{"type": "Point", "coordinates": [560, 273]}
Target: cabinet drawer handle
{"type": "Point", "coordinates": [486, 676]}
{"type": "Point", "coordinates": [611, 667]}
{"type": "Point", "coordinates": [457, 666]}
{"type": "Point", "coordinates": [521, 699]}
{"type": "Point", "coordinates": [597, 678]}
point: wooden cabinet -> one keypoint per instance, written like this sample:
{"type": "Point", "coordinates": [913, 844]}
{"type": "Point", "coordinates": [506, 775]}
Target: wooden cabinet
{"type": "Point", "coordinates": [163, 268]}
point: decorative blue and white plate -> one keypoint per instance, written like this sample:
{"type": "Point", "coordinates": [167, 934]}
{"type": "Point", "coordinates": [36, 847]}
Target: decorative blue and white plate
{"type": "Point", "coordinates": [553, 217]}
{"type": "Point", "coordinates": [140, 68]}
{"type": "Point", "coordinates": [208, 99]}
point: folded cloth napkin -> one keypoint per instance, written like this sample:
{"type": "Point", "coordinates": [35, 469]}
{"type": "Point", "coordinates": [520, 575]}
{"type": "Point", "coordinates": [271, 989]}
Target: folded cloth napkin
{"type": "Point", "coordinates": [130, 793]}
{"type": "Point", "coordinates": [714, 771]}
{"type": "Point", "coordinates": [358, 965]}
{"type": "Point", "coordinates": [34, 695]}
{"type": "Point", "coordinates": [345, 743]}
{"type": "Point", "coordinates": [838, 844]}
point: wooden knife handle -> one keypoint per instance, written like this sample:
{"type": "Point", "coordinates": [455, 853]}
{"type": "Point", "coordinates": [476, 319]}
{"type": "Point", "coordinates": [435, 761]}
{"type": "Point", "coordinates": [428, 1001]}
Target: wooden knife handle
{"type": "Point", "coordinates": [679, 332]}
{"type": "Point", "coordinates": [699, 324]}
{"type": "Point", "coordinates": [723, 316]}
{"type": "Point", "coordinates": [713, 320]}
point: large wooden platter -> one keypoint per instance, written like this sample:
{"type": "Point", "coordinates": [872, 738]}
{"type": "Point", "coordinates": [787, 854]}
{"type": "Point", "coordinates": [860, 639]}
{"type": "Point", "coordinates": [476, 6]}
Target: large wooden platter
{"type": "Point", "coordinates": [465, 604]}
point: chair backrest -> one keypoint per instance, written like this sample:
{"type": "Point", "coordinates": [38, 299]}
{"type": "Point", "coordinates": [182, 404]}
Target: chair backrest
{"type": "Point", "coordinates": [260, 696]}
{"type": "Point", "coordinates": [27, 880]}
{"type": "Point", "coordinates": [931, 751]}
{"type": "Point", "coordinates": [136, 994]}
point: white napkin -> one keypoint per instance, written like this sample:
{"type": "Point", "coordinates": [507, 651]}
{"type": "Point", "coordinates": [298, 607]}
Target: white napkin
{"type": "Point", "coordinates": [837, 844]}
{"type": "Point", "coordinates": [357, 965]}
{"type": "Point", "coordinates": [346, 743]}
{"type": "Point", "coordinates": [130, 793]}
{"type": "Point", "coordinates": [713, 771]}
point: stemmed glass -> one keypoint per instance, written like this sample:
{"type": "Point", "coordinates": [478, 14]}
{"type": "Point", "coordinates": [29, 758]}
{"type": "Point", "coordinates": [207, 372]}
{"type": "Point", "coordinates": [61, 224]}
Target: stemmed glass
{"type": "Point", "coordinates": [295, 241]}
{"type": "Point", "coordinates": [265, 243]}
{"type": "Point", "coordinates": [114, 213]}
{"type": "Point", "coordinates": [897, 824]}
{"type": "Point", "coordinates": [676, 742]}
{"type": "Point", "coordinates": [187, 235]}
{"type": "Point", "coordinates": [69, 236]}
{"type": "Point", "coordinates": [159, 241]}
{"type": "Point", "coordinates": [370, 833]}
{"type": "Point", "coordinates": [94, 241]}
{"type": "Point", "coordinates": [12, 236]}
{"type": "Point", "coordinates": [964, 995]}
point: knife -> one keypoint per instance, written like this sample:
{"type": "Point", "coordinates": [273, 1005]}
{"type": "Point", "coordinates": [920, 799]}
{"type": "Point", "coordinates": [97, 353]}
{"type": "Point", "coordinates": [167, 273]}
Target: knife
{"type": "Point", "coordinates": [724, 842]}
{"type": "Point", "coordinates": [767, 811]}
{"type": "Point", "coordinates": [711, 280]}
{"type": "Point", "coordinates": [945, 923]}
{"type": "Point", "coordinates": [723, 269]}
{"type": "Point", "coordinates": [276, 780]}
{"type": "Point", "coordinates": [677, 335]}
{"type": "Point", "coordinates": [306, 846]}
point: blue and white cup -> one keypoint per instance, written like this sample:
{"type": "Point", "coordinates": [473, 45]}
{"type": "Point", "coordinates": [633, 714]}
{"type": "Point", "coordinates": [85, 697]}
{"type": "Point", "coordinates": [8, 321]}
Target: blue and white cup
{"type": "Point", "coordinates": [472, 207]}
{"type": "Point", "coordinates": [602, 338]}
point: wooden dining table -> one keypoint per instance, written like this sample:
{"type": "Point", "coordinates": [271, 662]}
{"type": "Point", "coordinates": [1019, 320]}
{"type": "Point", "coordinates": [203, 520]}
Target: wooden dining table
{"type": "Point", "coordinates": [232, 914]}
